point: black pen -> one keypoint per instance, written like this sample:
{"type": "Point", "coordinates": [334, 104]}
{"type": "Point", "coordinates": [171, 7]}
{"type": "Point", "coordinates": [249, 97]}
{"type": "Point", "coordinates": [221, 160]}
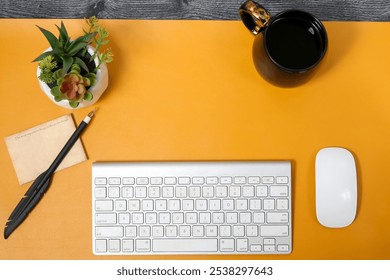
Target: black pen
{"type": "Point", "coordinates": [41, 183]}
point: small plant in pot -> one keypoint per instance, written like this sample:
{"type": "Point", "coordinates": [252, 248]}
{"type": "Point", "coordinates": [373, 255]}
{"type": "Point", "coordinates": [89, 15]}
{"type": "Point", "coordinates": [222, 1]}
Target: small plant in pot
{"type": "Point", "coordinates": [73, 73]}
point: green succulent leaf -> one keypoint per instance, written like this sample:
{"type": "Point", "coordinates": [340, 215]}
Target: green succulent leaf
{"type": "Point", "coordinates": [57, 74]}
{"type": "Point", "coordinates": [82, 64]}
{"type": "Point", "coordinates": [58, 98]}
{"type": "Point", "coordinates": [53, 41]}
{"type": "Point", "coordinates": [74, 104]}
{"type": "Point", "coordinates": [88, 96]}
{"type": "Point", "coordinates": [92, 78]}
{"type": "Point", "coordinates": [64, 37]}
{"type": "Point", "coordinates": [78, 44]}
{"type": "Point", "coordinates": [55, 91]}
{"type": "Point", "coordinates": [67, 63]}
{"type": "Point", "coordinates": [43, 55]}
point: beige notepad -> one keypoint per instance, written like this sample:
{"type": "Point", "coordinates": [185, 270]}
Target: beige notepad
{"type": "Point", "coordinates": [33, 150]}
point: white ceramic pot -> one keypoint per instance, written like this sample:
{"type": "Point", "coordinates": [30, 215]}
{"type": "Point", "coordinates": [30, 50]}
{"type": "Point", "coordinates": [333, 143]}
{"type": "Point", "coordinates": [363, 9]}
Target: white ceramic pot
{"type": "Point", "coordinates": [96, 90]}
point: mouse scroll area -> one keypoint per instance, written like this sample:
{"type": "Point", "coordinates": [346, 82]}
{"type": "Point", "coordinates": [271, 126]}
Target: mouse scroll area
{"type": "Point", "coordinates": [336, 187]}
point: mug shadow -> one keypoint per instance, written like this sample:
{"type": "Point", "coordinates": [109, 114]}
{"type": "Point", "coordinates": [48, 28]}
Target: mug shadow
{"type": "Point", "coordinates": [341, 36]}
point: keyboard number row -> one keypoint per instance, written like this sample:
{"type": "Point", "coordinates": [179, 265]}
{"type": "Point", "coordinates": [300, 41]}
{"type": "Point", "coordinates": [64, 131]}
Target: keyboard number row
{"type": "Point", "coordinates": [191, 192]}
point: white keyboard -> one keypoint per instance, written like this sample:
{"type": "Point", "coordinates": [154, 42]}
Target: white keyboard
{"type": "Point", "coordinates": [191, 208]}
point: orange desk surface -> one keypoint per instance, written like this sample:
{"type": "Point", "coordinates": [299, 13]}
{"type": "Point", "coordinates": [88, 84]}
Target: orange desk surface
{"type": "Point", "coordinates": [187, 90]}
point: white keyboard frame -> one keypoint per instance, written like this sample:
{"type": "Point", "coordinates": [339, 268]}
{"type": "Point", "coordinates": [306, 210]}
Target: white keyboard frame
{"type": "Point", "coordinates": [202, 169]}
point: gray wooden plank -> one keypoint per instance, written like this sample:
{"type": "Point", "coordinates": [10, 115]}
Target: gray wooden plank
{"type": "Point", "coordinates": [329, 10]}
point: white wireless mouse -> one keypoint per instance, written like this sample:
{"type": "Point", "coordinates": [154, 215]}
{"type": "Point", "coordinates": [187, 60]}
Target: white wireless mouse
{"type": "Point", "coordinates": [336, 187]}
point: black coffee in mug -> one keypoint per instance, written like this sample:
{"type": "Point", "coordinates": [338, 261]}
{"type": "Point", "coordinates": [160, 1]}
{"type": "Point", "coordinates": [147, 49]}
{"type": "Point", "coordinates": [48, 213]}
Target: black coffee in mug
{"type": "Point", "coordinates": [288, 46]}
{"type": "Point", "coordinates": [294, 43]}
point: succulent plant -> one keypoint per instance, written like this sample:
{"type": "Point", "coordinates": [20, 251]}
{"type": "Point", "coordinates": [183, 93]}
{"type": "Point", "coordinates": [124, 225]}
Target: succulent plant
{"type": "Point", "coordinates": [73, 86]}
{"type": "Point", "coordinates": [67, 68]}
{"type": "Point", "coordinates": [64, 50]}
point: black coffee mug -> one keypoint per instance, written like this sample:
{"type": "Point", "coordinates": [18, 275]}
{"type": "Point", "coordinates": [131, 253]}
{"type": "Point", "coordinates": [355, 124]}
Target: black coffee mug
{"type": "Point", "coordinates": [288, 47]}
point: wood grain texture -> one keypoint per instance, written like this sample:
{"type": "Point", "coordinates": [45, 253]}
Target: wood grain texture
{"type": "Point", "coordinates": [330, 10]}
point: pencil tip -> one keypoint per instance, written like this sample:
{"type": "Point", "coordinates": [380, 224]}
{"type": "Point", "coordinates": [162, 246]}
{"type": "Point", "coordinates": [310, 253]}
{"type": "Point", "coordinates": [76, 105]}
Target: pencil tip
{"type": "Point", "coordinates": [92, 112]}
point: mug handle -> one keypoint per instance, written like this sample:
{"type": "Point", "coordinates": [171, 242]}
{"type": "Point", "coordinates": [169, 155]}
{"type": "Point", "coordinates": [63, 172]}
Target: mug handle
{"type": "Point", "coordinates": [254, 16]}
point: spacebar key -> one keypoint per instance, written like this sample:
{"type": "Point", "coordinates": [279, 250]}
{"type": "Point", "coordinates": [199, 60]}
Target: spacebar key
{"type": "Point", "coordinates": [185, 245]}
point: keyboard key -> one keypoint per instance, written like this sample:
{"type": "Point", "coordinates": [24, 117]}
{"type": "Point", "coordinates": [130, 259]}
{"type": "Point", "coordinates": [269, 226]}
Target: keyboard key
{"type": "Point", "coordinates": [167, 192]}
{"type": "Point", "coordinates": [170, 181]}
{"type": "Point", "coordinates": [114, 181]}
{"type": "Point", "coordinates": [283, 248]}
{"type": "Point", "coordinates": [158, 231]}
{"type": "Point", "coordinates": [100, 245]}
{"type": "Point", "coordinates": [194, 192]}
{"type": "Point", "coordinates": [142, 181]}
{"type": "Point", "coordinates": [144, 231]}
{"type": "Point", "coordinates": [134, 205]}
{"type": "Point", "coordinates": [262, 191]}
{"type": "Point", "coordinates": [242, 244]}
{"type": "Point", "coordinates": [181, 192]}
{"type": "Point", "coordinates": [255, 248]}
{"type": "Point", "coordinates": [254, 180]}
{"type": "Point", "coordinates": [185, 245]}
{"type": "Point", "coordinates": [184, 180]}
{"type": "Point", "coordinates": [113, 192]}
{"type": "Point", "coordinates": [154, 192]}
{"type": "Point", "coordinates": [131, 231]}
{"type": "Point", "coordinates": [208, 192]}
{"type": "Point", "coordinates": [259, 217]}
{"type": "Point", "coordinates": [226, 180]}
{"type": "Point", "coordinates": [124, 218]}
{"type": "Point", "coordinates": [227, 204]}
{"type": "Point", "coordinates": [251, 231]}
{"type": "Point", "coordinates": [255, 204]}
{"type": "Point", "coordinates": [198, 180]}
{"type": "Point", "coordinates": [212, 180]}
{"type": "Point", "coordinates": [140, 192]}
{"type": "Point", "coordinates": [100, 192]}
{"type": "Point", "coordinates": [156, 181]}
{"type": "Point", "coordinates": [221, 191]}
{"type": "Point", "coordinates": [138, 218]}
{"type": "Point", "coordinates": [268, 204]}
{"type": "Point", "coordinates": [239, 180]}
{"type": "Point", "coordinates": [128, 181]}
{"type": "Point", "coordinates": [226, 244]}
{"type": "Point", "coordinates": [225, 231]}
{"type": "Point", "coordinates": [277, 217]}
{"type": "Point", "coordinates": [234, 191]}
{"type": "Point", "coordinates": [282, 180]}
{"type": "Point", "coordinates": [104, 205]}
{"type": "Point", "coordinates": [151, 218]}
{"type": "Point", "coordinates": [268, 180]}
{"type": "Point", "coordinates": [106, 218]}
{"type": "Point", "coordinates": [238, 231]}
{"type": "Point", "coordinates": [114, 245]}
{"type": "Point", "coordinates": [109, 231]}
{"type": "Point", "coordinates": [127, 192]}
{"type": "Point", "coordinates": [278, 191]}
{"type": "Point", "coordinates": [120, 205]}
{"type": "Point", "coordinates": [270, 231]}
{"type": "Point", "coordinates": [128, 245]}
{"type": "Point", "coordinates": [282, 204]}
{"type": "Point", "coordinates": [100, 181]}
{"type": "Point", "coordinates": [269, 248]}
{"type": "Point", "coordinates": [142, 245]}
{"type": "Point", "coordinates": [248, 191]}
